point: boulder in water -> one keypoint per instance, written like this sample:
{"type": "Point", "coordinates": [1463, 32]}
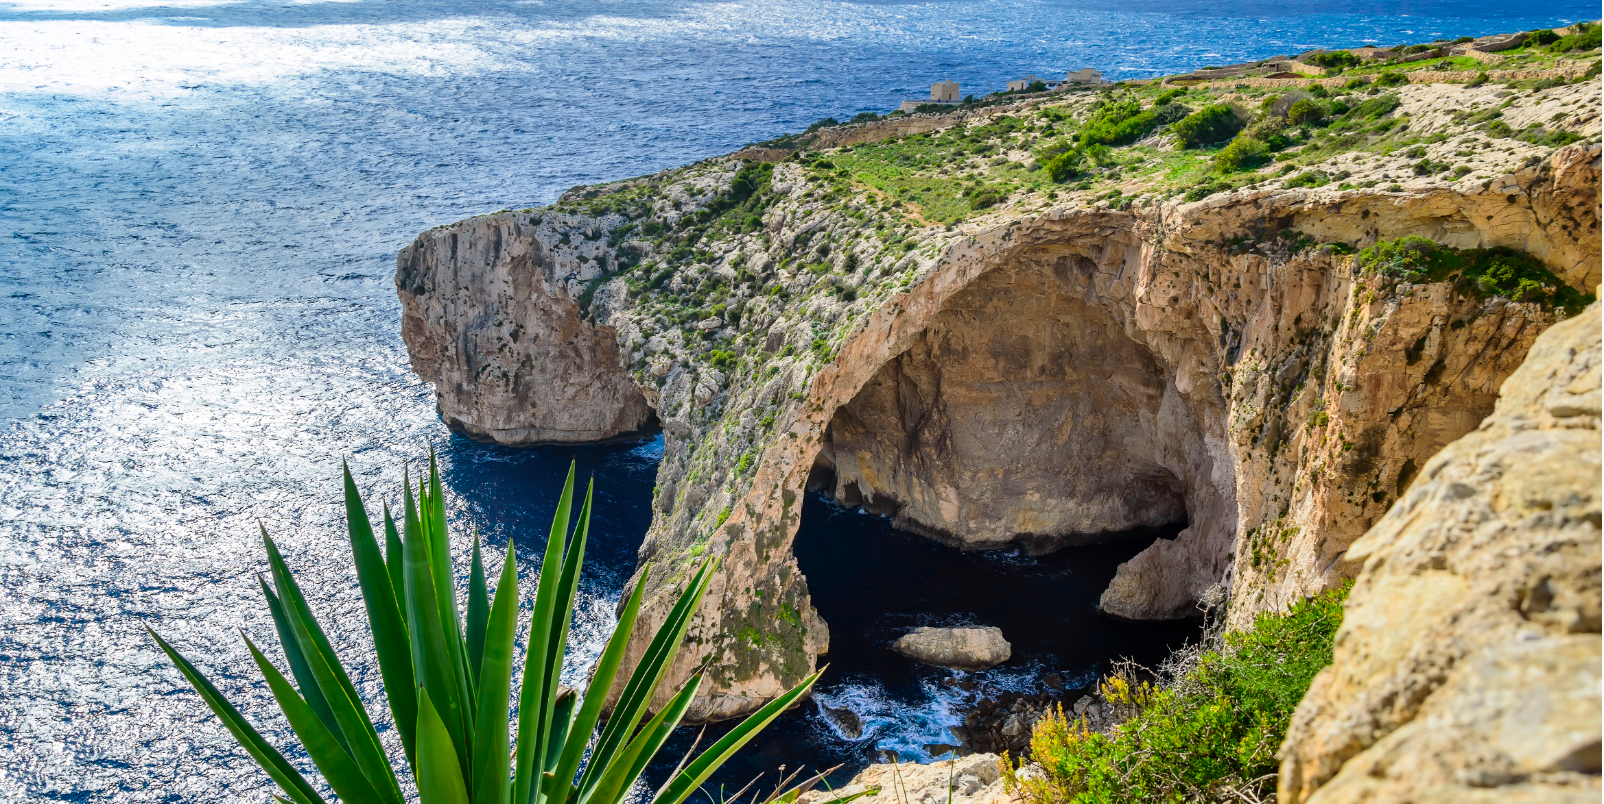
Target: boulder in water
{"type": "Point", "coordinates": [968, 648]}
{"type": "Point", "coordinates": [846, 720]}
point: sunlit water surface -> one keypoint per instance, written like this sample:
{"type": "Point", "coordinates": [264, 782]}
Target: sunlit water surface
{"type": "Point", "coordinates": [201, 202]}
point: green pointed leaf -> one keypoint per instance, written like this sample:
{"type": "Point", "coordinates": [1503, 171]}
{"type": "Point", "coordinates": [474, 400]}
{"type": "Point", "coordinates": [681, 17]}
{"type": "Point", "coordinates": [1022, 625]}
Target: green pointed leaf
{"type": "Point", "coordinates": [601, 682]}
{"type": "Point", "coordinates": [534, 700]}
{"type": "Point", "coordinates": [395, 562]}
{"type": "Point", "coordinates": [478, 611]}
{"type": "Point", "coordinates": [492, 753]}
{"type": "Point", "coordinates": [688, 780]}
{"type": "Point", "coordinates": [430, 660]}
{"type": "Point", "coordinates": [562, 722]}
{"type": "Point", "coordinates": [297, 661]}
{"type": "Point", "coordinates": [439, 770]}
{"type": "Point", "coordinates": [384, 618]}
{"type": "Point", "coordinates": [628, 764]}
{"type": "Point", "coordinates": [327, 753]}
{"type": "Point", "coordinates": [568, 585]}
{"type": "Point", "coordinates": [649, 674]}
{"type": "Point", "coordinates": [278, 768]}
{"type": "Point", "coordinates": [349, 714]}
{"type": "Point", "coordinates": [445, 589]}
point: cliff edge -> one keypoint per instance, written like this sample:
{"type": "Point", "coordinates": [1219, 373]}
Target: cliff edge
{"type": "Point", "coordinates": [1467, 665]}
{"type": "Point", "coordinates": [1032, 324]}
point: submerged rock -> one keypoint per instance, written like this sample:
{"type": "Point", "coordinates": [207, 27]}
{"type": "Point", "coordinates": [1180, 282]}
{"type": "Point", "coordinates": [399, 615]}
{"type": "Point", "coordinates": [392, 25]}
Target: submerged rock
{"type": "Point", "coordinates": [846, 720]}
{"type": "Point", "coordinates": [968, 648]}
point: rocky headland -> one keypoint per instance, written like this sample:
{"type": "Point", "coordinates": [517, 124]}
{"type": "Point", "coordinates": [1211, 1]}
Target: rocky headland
{"type": "Point", "coordinates": [944, 319]}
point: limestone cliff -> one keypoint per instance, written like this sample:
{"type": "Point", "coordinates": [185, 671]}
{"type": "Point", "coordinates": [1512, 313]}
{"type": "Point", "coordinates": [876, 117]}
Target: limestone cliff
{"type": "Point", "coordinates": [1467, 665]}
{"type": "Point", "coordinates": [511, 359]}
{"type": "Point", "coordinates": [921, 321]}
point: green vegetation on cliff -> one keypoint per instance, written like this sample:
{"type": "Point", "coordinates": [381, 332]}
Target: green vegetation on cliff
{"type": "Point", "coordinates": [1482, 272]}
{"type": "Point", "coordinates": [1209, 734]}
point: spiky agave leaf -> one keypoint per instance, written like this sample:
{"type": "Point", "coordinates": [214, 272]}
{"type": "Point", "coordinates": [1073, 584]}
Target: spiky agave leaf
{"type": "Point", "coordinates": [449, 683]}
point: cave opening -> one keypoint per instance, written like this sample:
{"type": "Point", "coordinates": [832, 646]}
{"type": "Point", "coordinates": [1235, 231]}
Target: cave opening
{"type": "Point", "coordinates": [872, 582]}
{"type": "Point", "coordinates": [996, 472]}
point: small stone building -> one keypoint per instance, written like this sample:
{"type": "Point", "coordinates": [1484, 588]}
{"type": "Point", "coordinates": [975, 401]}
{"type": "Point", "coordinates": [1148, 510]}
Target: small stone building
{"type": "Point", "coordinates": [941, 92]}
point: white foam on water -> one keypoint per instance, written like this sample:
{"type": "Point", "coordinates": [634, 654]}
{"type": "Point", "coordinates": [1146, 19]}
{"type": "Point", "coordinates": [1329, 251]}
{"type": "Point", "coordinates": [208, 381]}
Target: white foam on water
{"type": "Point", "coordinates": [907, 722]}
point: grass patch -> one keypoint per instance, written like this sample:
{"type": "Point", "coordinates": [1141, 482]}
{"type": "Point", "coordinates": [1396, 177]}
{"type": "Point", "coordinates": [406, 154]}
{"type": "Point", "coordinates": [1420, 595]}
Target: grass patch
{"type": "Point", "coordinates": [1208, 734]}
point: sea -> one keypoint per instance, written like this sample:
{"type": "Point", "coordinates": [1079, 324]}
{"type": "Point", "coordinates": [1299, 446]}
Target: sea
{"type": "Point", "coordinates": [200, 206]}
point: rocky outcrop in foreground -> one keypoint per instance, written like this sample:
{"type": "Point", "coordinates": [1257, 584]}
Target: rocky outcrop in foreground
{"type": "Point", "coordinates": [975, 779]}
{"type": "Point", "coordinates": [967, 648]}
{"type": "Point", "coordinates": [1467, 667]}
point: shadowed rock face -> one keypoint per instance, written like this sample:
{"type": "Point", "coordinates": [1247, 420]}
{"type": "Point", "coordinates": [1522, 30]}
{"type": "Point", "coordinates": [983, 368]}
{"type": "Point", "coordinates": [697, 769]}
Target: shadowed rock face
{"type": "Point", "coordinates": [1467, 665]}
{"type": "Point", "coordinates": [1023, 414]}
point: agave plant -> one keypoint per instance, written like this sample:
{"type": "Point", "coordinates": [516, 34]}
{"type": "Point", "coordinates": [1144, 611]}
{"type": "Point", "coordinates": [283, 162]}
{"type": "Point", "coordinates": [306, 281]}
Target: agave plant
{"type": "Point", "coordinates": [449, 681]}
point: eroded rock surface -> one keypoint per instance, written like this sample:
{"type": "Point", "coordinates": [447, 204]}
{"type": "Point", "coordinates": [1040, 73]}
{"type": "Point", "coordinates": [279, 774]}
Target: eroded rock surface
{"type": "Point", "coordinates": [510, 357]}
{"type": "Point", "coordinates": [974, 779]}
{"type": "Point", "coordinates": [966, 648]}
{"type": "Point", "coordinates": [1035, 375]}
{"type": "Point", "coordinates": [1467, 667]}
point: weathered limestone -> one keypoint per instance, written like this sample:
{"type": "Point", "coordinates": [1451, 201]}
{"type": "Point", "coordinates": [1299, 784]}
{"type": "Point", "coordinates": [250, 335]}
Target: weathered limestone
{"type": "Point", "coordinates": [969, 648]}
{"type": "Point", "coordinates": [974, 779]}
{"type": "Point", "coordinates": [1467, 668]}
{"type": "Point", "coordinates": [511, 358]}
{"type": "Point", "coordinates": [1022, 414]}
{"type": "Point", "coordinates": [1033, 376]}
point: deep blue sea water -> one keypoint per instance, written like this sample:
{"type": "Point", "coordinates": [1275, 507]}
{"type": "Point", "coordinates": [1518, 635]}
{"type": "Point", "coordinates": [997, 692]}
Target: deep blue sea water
{"type": "Point", "coordinates": [200, 203]}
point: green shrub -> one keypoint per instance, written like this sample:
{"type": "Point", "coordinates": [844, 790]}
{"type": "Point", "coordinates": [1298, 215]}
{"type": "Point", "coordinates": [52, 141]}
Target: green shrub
{"type": "Point", "coordinates": [1391, 79]}
{"type": "Point", "coordinates": [1537, 135]}
{"type": "Point", "coordinates": [1335, 61]}
{"type": "Point", "coordinates": [1065, 166]}
{"type": "Point", "coordinates": [1305, 112]}
{"type": "Point", "coordinates": [1277, 142]}
{"type": "Point", "coordinates": [1379, 106]}
{"type": "Point", "coordinates": [1168, 96]}
{"type": "Point", "coordinates": [1481, 78]}
{"type": "Point", "coordinates": [1587, 39]}
{"type": "Point", "coordinates": [1483, 273]}
{"type": "Point", "coordinates": [1201, 191]}
{"type": "Point", "coordinates": [1210, 734]}
{"type": "Point", "coordinates": [448, 679]}
{"type": "Point", "coordinates": [1214, 123]}
{"type": "Point", "coordinates": [1356, 83]}
{"type": "Point", "coordinates": [1309, 178]}
{"type": "Point", "coordinates": [1319, 91]}
{"type": "Point", "coordinates": [1541, 37]}
{"type": "Point", "coordinates": [1125, 122]}
{"type": "Point", "coordinates": [1242, 153]}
